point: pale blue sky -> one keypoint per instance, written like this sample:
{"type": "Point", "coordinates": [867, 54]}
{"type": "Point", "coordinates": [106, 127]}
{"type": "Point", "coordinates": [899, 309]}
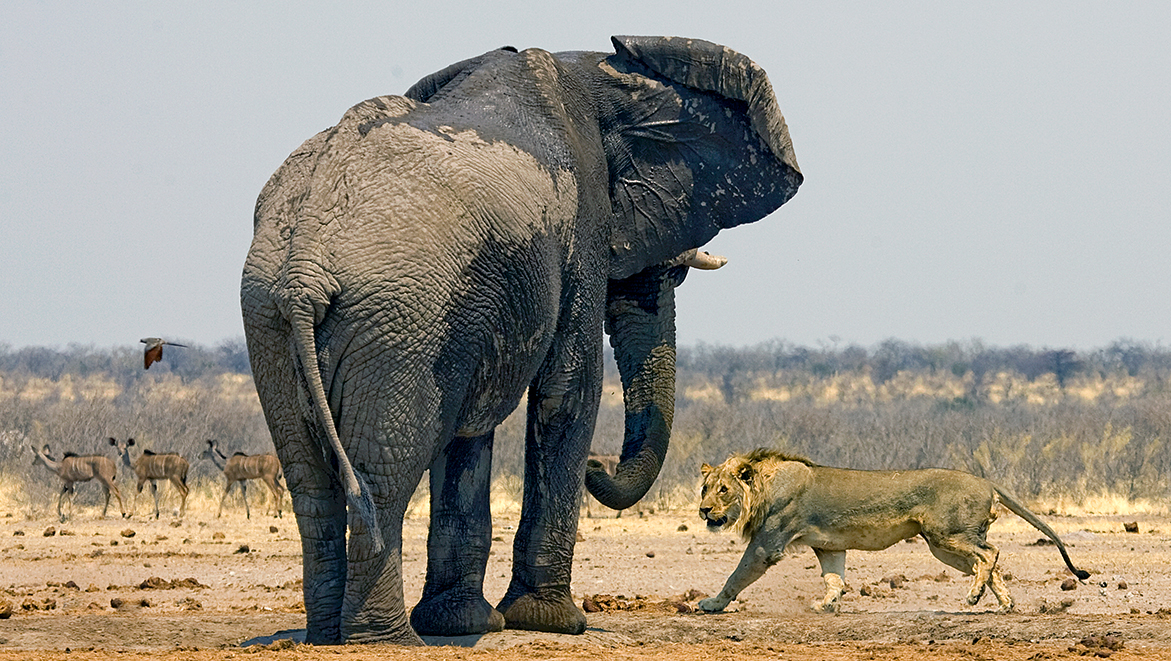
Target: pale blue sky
{"type": "Point", "coordinates": [990, 170]}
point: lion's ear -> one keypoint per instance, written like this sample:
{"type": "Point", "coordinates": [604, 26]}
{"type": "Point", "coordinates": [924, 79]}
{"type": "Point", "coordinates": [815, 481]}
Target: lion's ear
{"type": "Point", "coordinates": [746, 473]}
{"type": "Point", "coordinates": [705, 469]}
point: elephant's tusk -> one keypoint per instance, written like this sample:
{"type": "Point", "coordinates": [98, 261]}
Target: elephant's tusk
{"type": "Point", "coordinates": [705, 261]}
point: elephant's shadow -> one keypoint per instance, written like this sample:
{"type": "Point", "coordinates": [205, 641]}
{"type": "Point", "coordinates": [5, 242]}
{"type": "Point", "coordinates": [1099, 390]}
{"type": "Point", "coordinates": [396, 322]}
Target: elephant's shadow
{"type": "Point", "coordinates": [471, 640]}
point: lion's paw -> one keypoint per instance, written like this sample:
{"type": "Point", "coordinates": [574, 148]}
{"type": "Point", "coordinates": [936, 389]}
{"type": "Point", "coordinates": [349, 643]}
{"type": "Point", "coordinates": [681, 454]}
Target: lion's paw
{"type": "Point", "coordinates": [825, 606]}
{"type": "Point", "coordinates": [713, 604]}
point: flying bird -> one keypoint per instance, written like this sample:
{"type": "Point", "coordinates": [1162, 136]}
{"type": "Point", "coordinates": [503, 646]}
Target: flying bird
{"type": "Point", "coordinates": [154, 350]}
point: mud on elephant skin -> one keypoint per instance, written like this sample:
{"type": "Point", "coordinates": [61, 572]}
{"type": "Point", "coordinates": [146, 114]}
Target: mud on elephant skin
{"type": "Point", "coordinates": [418, 266]}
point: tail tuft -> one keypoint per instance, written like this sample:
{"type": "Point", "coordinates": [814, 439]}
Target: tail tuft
{"type": "Point", "coordinates": [1082, 574]}
{"type": "Point", "coordinates": [362, 503]}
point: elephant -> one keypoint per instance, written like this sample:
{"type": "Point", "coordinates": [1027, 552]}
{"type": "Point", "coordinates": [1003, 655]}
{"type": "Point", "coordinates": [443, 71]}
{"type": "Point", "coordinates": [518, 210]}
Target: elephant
{"type": "Point", "coordinates": [421, 266]}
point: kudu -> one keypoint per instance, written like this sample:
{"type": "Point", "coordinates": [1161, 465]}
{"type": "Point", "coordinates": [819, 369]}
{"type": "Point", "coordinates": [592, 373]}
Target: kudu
{"type": "Point", "coordinates": [154, 467]}
{"type": "Point", "coordinates": [75, 468]}
{"type": "Point", "coordinates": [240, 467]}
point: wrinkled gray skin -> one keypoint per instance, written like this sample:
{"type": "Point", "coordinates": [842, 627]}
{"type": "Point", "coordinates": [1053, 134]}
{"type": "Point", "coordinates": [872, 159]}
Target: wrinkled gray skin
{"type": "Point", "coordinates": [418, 266]}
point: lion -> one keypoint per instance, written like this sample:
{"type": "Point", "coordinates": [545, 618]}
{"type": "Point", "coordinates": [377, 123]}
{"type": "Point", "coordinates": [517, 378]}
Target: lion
{"type": "Point", "coordinates": [776, 500]}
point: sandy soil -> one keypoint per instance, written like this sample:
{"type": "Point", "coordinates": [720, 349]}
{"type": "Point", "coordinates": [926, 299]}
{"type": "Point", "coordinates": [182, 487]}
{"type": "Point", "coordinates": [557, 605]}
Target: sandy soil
{"type": "Point", "coordinates": [116, 588]}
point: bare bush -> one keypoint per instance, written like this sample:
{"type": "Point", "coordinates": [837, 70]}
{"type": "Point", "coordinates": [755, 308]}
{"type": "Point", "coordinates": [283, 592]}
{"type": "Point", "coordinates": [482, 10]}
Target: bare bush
{"type": "Point", "coordinates": [1046, 423]}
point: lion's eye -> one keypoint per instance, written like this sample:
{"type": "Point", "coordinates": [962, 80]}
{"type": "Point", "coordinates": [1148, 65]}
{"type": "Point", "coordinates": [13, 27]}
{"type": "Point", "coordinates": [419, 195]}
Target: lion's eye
{"type": "Point", "coordinates": [723, 489]}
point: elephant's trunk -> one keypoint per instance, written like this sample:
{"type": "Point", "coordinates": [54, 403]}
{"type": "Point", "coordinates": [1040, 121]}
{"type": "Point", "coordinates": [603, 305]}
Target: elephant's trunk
{"type": "Point", "coordinates": [640, 320]}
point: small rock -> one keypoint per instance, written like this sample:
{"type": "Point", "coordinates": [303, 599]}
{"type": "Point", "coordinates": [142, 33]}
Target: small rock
{"type": "Point", "coordinates": [273, 529]}
{"type": "Point", "coordinates": [590, 605]}
{"type": "Point", "coordinates": [66, 533]}
{"type": "Point", "coordinates": [154, 583]}
{"type": "Point", "coordinates": [50, 531]}
{"type": "Point", "coordinates": [176, 524]}
{"type": "Point", "coordinates": [188, 604]}
{"type": "Point", "coordinates": [18, 533]}
{"type": "Point", "coordinates": [72, 585]}
{"type": "Point", "coordinates": [218, 535]}
{"type": "Point", "coordinates": [45, 604]}
{"type": "Point", "coordinates": [243, 549]}
{"type": "Point", "coordinates": [580, 537]}
{"type": "Point", "coordinates": [1122, 585]}
{"type": "Point", "coordinates": [1130, 527]}
{"type": "Point", "coordinates": [650, 554]}
{"type": "Point", "coordinates": [895, 581]}
{"type": "Point", "coordinates": [682, 528]}
{"type": "Point", "coordinates": [1069, 584]}
{"type": "Point", "coordinates": [128, 533]}
{"type": "Point", "coordinates": [1049, 608]}
{"type": "Point", "coordinates": [5, 609]}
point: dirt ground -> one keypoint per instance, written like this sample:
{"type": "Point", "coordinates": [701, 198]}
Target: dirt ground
{"type": "Point", "coordinates": [208, 588]}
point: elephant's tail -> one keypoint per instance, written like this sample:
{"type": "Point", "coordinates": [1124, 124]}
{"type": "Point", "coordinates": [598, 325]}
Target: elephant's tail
{"type": "Point", "coordinates": [1020, 510]}
{"type": "Point", "coordinates": [301, 316]}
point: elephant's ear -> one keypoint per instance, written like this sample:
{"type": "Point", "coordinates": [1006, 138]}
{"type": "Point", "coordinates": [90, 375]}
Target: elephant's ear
{"type": "Point", "coordinates": [429, 86]}
{"type": "Point", "coordinates": [705, 147]}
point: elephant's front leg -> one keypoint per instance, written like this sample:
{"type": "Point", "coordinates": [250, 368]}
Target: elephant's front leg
{"type": "Point", "coordinates": [460, 538]}
{"type": "Point", "coordinates": [562, 407]}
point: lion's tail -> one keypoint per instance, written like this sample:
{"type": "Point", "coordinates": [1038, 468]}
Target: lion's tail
{"type": "Point", "coordinates": [1020, 510]}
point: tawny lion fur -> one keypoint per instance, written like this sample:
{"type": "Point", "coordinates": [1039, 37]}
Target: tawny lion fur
{"type": "Point", "coordinates": [775, 500]}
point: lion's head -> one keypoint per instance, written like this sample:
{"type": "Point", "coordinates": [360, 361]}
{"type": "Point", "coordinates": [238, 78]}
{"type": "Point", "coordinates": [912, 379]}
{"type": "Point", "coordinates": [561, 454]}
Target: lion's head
{"type": "Point", "coordinates": [733, 494]}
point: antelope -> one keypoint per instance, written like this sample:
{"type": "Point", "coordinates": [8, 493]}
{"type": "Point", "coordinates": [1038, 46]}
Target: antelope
{"type": "Point", "coordinates": [81, 468]}
{"type": "Point", "coordinates": [241, 467]}
{"type": "Point", "coordinates": [154, 467]}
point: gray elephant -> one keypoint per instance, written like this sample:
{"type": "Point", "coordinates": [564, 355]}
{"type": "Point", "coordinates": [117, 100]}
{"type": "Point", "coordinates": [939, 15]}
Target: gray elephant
{"type": "Point", "coordinates": [420, 265]}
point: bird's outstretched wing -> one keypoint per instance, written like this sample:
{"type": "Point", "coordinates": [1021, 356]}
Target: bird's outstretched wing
{"type": "Point", "coordinates": [152, 355]}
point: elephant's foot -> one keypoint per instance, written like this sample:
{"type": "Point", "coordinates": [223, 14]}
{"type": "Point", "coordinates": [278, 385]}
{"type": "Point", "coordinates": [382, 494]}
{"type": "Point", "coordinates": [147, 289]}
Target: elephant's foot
{"type": "Point", "coordinates": [395, 632]}
{"type": "Point", "coordinates": [553, 612]}
{"type": "Point", "coordinates": [327, 633]}
{"type": "Point", "coordinates": [455, 613]}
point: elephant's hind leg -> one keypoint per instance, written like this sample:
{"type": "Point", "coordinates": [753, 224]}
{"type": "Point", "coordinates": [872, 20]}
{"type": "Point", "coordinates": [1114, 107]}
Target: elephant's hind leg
{"type": "Point", "coordinates": [453, 601]}
{"type": "Point", "coordinates": [320, 506]}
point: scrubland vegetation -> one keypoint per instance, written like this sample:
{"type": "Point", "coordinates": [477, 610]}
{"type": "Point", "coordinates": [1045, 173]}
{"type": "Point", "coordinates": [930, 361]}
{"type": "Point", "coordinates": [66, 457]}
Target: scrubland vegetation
{"type": "Point", "coordinates": [1068, 431]}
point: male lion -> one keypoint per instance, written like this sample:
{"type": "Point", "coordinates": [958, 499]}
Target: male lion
{"type": "Point", "coordinates": [776, 500]}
